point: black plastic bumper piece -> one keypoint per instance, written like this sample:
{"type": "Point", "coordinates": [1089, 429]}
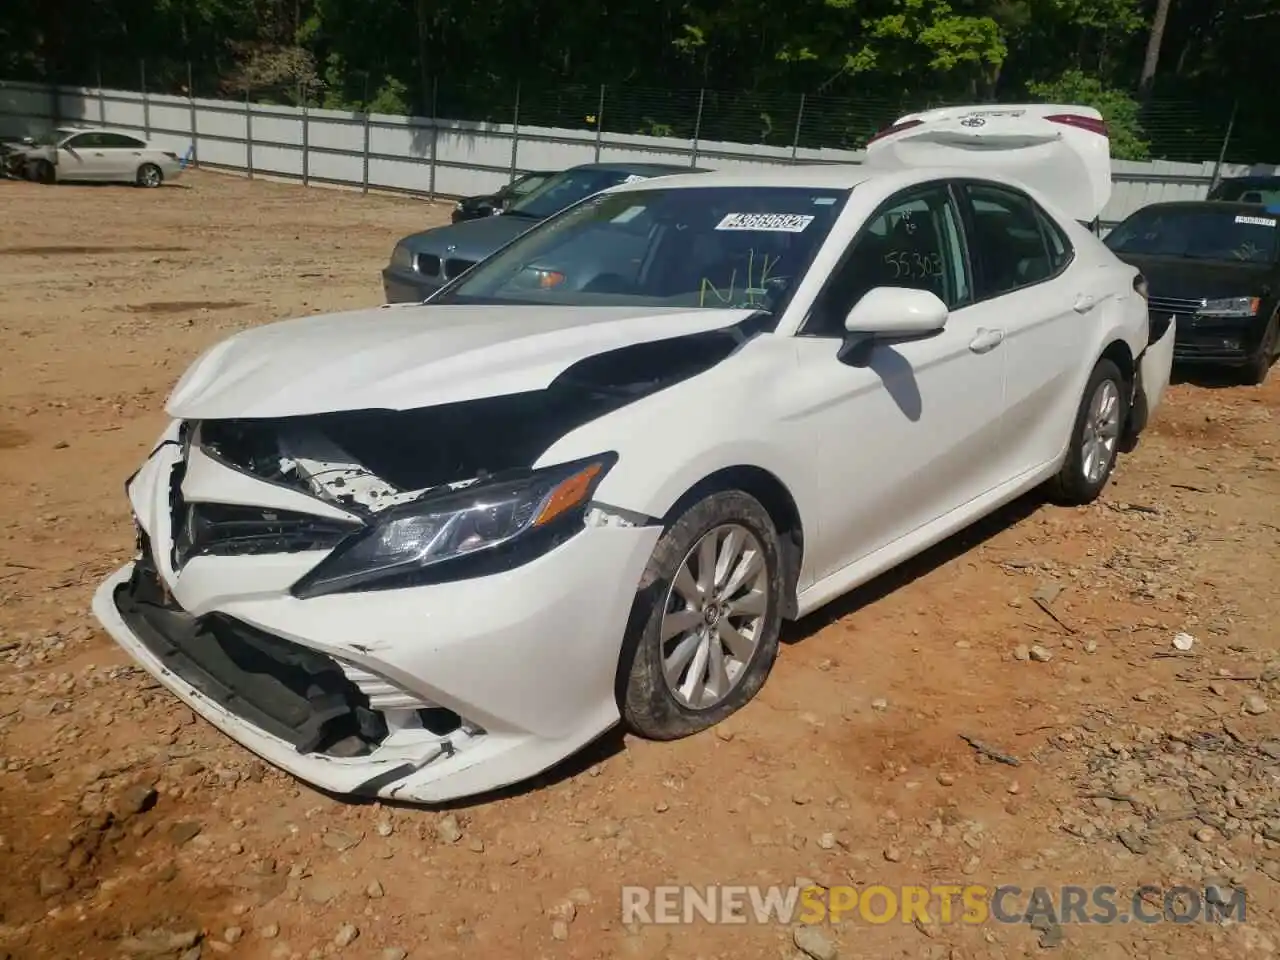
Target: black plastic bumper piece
{"type": "Point", "coordinates": [287, 690]}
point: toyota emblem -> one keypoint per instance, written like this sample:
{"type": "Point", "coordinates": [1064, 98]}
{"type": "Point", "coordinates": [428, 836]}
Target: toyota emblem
{"type": "Point", "coordinates": [972, 122]}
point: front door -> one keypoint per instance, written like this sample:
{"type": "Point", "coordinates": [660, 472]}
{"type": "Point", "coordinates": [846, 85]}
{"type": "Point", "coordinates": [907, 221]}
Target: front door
{"type": "Point", "coordinates": [912, 430]}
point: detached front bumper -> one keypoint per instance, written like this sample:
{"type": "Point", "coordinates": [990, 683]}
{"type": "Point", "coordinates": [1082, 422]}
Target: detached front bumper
{"type": "Point", "coordinates": [422, 694]}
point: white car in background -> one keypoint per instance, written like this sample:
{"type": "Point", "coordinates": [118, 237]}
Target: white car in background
{"type": "Point", "coordinates": [100, 154]}
{"type": "Point", "coordinates": [424, 551]}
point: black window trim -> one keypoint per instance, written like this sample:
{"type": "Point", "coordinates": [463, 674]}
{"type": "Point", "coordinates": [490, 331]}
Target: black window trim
{"type": "Point", "coordinates": [961, 187]}
{"type": "Point", "coordinates": [947, 187]}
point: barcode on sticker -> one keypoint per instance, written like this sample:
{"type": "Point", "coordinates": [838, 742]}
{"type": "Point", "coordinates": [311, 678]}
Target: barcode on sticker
{"type": "Point", "coordinates": [774, 222]}
{"type": "Point", "coordinates": [1256, 221]}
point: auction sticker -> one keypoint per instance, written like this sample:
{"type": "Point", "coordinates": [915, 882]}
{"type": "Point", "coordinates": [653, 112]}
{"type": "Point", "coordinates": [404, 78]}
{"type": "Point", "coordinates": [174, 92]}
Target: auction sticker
{"type": "Point", "coordinates": [1257, 221]}
{"type": "Point", "coordinates": [772, 222]}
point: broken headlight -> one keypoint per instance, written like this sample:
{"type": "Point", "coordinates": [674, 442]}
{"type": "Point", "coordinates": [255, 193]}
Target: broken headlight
{"type": "Point", "coordinates": [503, 521]}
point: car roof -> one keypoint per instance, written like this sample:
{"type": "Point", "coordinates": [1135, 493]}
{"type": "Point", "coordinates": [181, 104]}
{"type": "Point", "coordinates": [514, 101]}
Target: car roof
{"type": "Point", "coordinates": [829, 175]}
{"type": "Point", "coordinates": [623, 166]}
{"type": "Point", "coordinates": [126, 133]}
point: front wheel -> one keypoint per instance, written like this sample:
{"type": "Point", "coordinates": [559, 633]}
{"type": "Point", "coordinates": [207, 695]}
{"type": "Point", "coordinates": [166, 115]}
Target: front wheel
{"type": "Point", "coordinates": [149, 175]}
{"type": "Point", "coordinates": [40, 171]}
{"type": "Point", "coordinates": [1095, 438]}
{"type": "Point", "coordinates": [704, 633]}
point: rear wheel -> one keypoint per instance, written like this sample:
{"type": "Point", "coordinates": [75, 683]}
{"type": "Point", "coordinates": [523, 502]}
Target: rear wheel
{"type": "Point", "coordinates": [1260, 366]}
{"type": "Point", "coordinates": [149, 175]}
{"type": "Point", "coordinates": [1095, 439]}
{"type": "Point", "coordinates": [704, 633]}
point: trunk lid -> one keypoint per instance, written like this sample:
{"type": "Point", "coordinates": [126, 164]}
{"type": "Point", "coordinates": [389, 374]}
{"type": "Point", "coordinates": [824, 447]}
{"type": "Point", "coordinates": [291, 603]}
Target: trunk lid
{"type": "Point", "coordinates": [1061, 150]}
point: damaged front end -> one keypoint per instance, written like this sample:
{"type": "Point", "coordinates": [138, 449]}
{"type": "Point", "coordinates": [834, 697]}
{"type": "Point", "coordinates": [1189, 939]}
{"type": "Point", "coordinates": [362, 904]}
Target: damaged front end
{"type": "Point", "coordinates": [276, 587]}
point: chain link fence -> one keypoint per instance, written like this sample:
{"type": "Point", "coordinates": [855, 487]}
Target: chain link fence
{"type": "Point", "coordinates": [1176, 130]}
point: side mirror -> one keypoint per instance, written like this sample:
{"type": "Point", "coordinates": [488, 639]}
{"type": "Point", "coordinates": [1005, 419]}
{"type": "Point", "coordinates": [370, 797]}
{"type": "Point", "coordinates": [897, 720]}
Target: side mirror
{"type": "Point", "coordinates": [891, 312]}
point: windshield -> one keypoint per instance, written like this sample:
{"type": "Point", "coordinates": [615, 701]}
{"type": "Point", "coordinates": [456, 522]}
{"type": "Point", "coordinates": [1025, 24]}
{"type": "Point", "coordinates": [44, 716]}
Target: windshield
{"type": "Point", "coordinates": [1245, 191]}
{"type": "Point", "coordinates": [1197, 234]}
{"type": "Point", "coordinates": [51, 137]}
{"type": "Point", "coordinates": [726, 247]}
{"type": "Point", "coordinates": [526, 184]}
{"type": "Point", "coordinates": [565, 189]}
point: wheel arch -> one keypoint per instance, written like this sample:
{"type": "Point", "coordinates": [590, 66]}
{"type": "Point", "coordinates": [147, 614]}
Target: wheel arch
{"type": "Point", "coordinates": [777, 500]}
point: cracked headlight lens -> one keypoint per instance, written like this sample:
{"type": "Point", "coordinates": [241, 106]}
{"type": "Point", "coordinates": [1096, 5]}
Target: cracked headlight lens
{"type": "Point", "coordinates": [485, 518]}
{"type": "Point", "coordinates": [1230, 307]}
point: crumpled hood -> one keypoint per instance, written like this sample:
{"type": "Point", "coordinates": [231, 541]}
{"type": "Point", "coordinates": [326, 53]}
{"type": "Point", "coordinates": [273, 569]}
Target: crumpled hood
{"type": "Point", "coordinates": [410, 355]}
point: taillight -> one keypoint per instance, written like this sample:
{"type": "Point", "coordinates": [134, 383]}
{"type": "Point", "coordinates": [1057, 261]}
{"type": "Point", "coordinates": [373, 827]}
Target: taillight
{"type": "Point", "coordinates": [1140, 286]}
{"type": "Point", "coordinates": [896, 128]}
{"type": "Point", "coordinates": [1091, 124]}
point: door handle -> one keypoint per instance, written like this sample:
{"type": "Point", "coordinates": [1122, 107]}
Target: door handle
{"type": "Point", "coordinates": [986, 340]}
{"type": "Point", "coordinates": [1084, 303]}
{"type": "Point", "coordinates": [97, 154]}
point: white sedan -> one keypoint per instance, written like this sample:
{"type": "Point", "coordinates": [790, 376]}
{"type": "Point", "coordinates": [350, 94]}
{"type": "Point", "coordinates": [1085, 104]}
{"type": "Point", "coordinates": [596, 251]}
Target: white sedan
{"type": "Point", "coordinates": [100, 154]}
{"type": "Point", "coordinates": [424, 551]}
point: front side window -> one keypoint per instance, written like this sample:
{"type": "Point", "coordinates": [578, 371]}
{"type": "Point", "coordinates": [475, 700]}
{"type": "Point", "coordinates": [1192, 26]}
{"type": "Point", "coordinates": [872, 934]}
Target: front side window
{"type": "Point", "coordinates": [1009, 241]}
{"type": "Point", "coordinates": [691, 247]}
{"type": "Point", "coordinates": [912, 241]}
{"type": "Point", "coordinates": [84, 141]}
{"type": "Point", "coordinates": [119, 140]}
{"type": "Point", "coordinates": [1239, 234]}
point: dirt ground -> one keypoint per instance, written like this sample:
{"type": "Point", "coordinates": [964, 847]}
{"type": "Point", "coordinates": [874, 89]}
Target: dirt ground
{"type": "Point", "coordinates": [129, 828]}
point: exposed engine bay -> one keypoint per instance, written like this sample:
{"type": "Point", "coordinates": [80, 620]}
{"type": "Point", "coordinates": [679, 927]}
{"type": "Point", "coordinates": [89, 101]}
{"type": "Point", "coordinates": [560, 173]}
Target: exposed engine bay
{"type": "Point", "coordinates": [369, 460]}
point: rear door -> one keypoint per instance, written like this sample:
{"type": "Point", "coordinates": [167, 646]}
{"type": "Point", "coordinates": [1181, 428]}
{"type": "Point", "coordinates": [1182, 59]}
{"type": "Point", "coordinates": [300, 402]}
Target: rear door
{"type": "Point", "coordinates": [122, 155]}
{"type": "Point", "coordinates": [1022, 266]}
{"type": "Point", "coordinates": [1063, 151]}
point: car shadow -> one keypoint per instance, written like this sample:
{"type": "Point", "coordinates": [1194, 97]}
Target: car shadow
{"type": "Point", "coordinates": [954, 547]}
{"type": "Point", "coordinates": [1208, 378]}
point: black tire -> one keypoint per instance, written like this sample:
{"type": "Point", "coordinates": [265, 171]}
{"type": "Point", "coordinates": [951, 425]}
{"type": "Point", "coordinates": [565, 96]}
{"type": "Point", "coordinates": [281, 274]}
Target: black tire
{"type": "Point", "coordinates": [40, 171]}
{"type": "Point", "coordinates": [648, 705]}
{"type": "Point", "coordinates": [1256, 371]}
{"type": "Point", "coordinates": [1072, 486]}
{"type": "Point", "coordinates": [149, 175]}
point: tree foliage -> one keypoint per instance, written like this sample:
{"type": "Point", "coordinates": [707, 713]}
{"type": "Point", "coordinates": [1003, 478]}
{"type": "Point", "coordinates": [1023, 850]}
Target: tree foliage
{"type": "Point", "coordinates": [459, 57]}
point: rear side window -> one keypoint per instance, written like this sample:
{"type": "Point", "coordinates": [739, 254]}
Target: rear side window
{"type": "Point", "coordinates": [118, 140]}
{"type": "Point", "coordinates": [1013, 241]}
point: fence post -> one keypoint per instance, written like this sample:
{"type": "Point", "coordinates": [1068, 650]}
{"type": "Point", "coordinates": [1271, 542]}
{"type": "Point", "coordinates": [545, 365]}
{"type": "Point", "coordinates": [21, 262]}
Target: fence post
{"type": "Point", "coordinates": [795, 140]}
{"type": "Point", "coordinates": [364, 183]}
{"type": "Point", "coordinates": [697, 126]}
{"type": "Point", "coordinates": [248, 134]}
{"type": "Point", "coordinates": [146, 103]}
{"type": "Point", "coordinates": [102, 101]}
{"type": "Point", "coordinates": [191, 101]}
{"type": "Point", "coordinates": [435, 135]}
{"type": "Point", "coordinates": [306, 137]}
{"type": "Point", "coordinates": [1226, 140]}
{"type": "Point", "coordinates": [364, 104]}
{"type": "Point", "coordinates": [599, 122]}
{"type": "Point", "coordinates": [515, 132]}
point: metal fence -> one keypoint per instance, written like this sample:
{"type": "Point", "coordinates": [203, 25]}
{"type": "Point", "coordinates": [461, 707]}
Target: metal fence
{"type": "Point", "coordinates": [437, 157]}
{"type": "Point", "coordinates": [1177, 130]}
